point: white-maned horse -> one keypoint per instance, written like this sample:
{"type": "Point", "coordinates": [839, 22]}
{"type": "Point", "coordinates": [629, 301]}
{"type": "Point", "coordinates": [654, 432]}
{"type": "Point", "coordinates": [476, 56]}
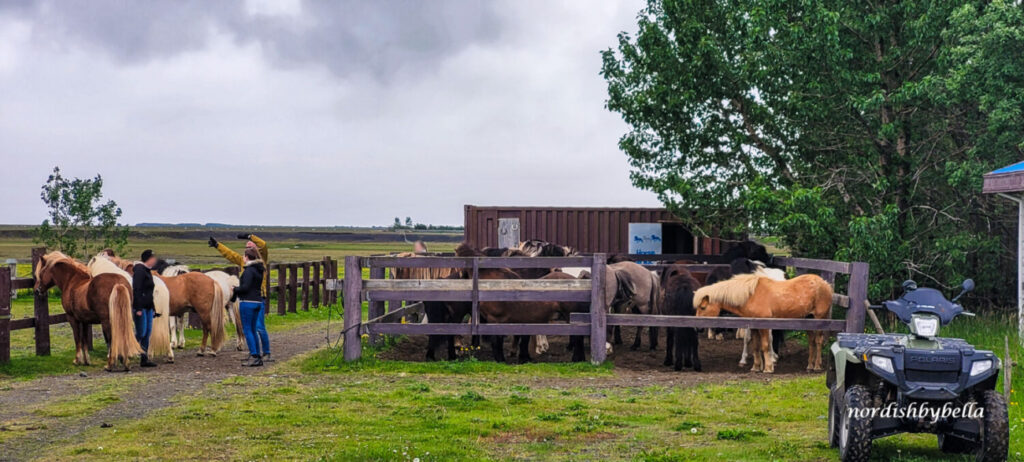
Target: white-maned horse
{"type": "Point", "coordinates": [227, 285]}
{"type": "Point", "coordinates": [159, 339]}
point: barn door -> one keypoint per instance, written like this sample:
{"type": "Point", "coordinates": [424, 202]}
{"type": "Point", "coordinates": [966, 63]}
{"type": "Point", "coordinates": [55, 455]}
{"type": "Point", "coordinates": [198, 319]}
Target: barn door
{"type": "Point", "coordinates": [508, 233]}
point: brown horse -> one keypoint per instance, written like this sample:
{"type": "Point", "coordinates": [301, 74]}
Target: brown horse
{"type": "Point", "coordinates": [631, 288]}
{"type": "Point", "coordinates": [754, 296]}
{"type": "Point", "coordinates": [105, 299]}
{"type": "Point", "coordinates": [198, 292]}
{"type": "Point", "coordinates": [201, 293]}
{"type": "Point", "coordinates": [513, 312]}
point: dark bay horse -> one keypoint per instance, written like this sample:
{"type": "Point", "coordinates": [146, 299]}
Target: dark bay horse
{"type": "Point", "coordinates": [105, 299]}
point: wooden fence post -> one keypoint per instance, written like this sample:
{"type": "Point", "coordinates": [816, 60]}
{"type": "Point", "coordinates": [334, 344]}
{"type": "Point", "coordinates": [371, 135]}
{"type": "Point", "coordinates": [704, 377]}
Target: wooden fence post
{"type": "Point", "coordinates": [475, 313]}
{"type": "Point", "coordinates": [305, 286]}
{"type": "Point", "coordinates": [316, 284]}
{"type": "Point", "coordinates": [5, 314]}
{"type": "Point", "coordinates": [376, 307]}
{"type": "Point", "coordinates": [282, 287]}
{"type": "Point", "coordinates": [330, 272]}
{"type": "Point", "coordinates": [353, 308]}
{"type": "Point", "coordinates": [858, 292]}
{"type": "Point", "coordinates": [293, 287]}
{"type": "Point", "coordinates": [41, 308]}
{"type": "Point", "coordinates": [598, 311]}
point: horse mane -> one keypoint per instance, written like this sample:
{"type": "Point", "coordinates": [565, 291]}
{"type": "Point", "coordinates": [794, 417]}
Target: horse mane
{"type": "Point", "coordinates": [101, 264]}
{"type": "Point", "coordinates": [539, 248]}
{"type": "Point", "coordinates": [731, 292]}
{"type": "Point", "coordinates": [174, 270]}
{"type": "Point", "coordinates": [464, 250]}
{"type": "Point", "coordinates": [56, 257]}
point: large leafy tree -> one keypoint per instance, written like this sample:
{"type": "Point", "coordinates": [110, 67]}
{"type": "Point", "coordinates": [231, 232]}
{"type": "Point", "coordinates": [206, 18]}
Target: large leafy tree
{"type": "Point", "coordinates": [79, 223]}
{"type": "Point", "coordinates": [854, 130]}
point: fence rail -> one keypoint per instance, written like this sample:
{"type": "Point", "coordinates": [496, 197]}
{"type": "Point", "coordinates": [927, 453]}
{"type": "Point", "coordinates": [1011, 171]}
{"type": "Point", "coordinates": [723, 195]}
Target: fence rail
{"type": "Point", "coordinates": [311, 289]}
{"type": "Point", "coordinates": [377, 290]}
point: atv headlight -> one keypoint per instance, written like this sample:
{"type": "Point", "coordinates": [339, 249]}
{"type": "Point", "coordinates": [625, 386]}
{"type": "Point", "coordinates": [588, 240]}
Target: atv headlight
{"type": "Point", "coordinates": [924, 325]}
{"type": "Point", "coordinates": [882, 363]}
{"type": "Point", "coordinates": [980, 367]}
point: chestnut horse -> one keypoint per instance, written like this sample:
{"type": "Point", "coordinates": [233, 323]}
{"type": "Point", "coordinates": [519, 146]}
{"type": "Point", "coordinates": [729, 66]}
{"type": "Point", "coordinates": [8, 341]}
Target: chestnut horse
{"type": "Point", "coordinates": [753, 296]}
{"type": "Point", "coordinates": [198, 292]}
{"type": "Point", "coordinates": [105, 299]}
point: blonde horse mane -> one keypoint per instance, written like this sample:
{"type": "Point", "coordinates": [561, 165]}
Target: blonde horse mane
{"type": "Point", "coordinates": [734, 291]}
{"type": "Point", "coordinates": [103, 265]}
{"type": "Point", "coordinates": [55, 257]}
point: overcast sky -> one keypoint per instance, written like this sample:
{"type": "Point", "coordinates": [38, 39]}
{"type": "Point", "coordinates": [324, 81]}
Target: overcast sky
{"type": "Point", "coordinates": [312, 113]}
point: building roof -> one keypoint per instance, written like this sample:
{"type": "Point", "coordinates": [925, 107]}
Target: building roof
{"type": "Point", "coordinates": [1006, 179]}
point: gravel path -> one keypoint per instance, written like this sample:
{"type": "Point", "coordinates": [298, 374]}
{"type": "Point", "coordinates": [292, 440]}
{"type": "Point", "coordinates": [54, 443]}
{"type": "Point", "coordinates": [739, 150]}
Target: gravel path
{"type": "Point", "coordinates": [31, 434]}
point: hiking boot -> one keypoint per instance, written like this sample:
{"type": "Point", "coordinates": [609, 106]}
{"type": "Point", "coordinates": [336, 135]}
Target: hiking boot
{"type": "Point", "coordinates": [145, 362]}
{"type": "Point", "coordinates": [255, 361]}
{"type": "Point", "coordinates": [267, 358]}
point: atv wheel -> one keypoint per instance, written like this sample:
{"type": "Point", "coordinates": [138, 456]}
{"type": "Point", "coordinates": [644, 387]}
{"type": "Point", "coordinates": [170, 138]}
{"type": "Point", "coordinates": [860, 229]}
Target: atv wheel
{"type": "Point", "coordinates": [954, 445]}
{"type": "Point", "coordinates": [854, 431]}
{"type": "Point", "coordinates": [995, 435]}
{"type": "Point", "coordinates": [833, 421]}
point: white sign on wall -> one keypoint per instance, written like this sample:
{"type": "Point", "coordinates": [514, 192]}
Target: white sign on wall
{"type": "Point", "coordinates": [645, 238]}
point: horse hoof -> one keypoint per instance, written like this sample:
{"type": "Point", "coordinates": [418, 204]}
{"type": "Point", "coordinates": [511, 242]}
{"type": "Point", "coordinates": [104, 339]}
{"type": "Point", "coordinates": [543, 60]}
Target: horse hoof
{"type": "Point", "coordinates": [200, 353]}
{"type": "Point", "coordinates": [667, 362]}
{"type": "Point", "coordinates": [678, 368]}
{"type": "Point", "coordinates": [696, 369]}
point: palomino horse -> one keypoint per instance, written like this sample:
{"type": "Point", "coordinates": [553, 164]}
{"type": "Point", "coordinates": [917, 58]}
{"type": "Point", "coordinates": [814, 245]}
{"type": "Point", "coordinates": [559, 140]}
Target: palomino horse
{"type": "Point", "coordinates": [105, 299]}
{"type": "Point", "coordinates": [753, 296]}
{"type": "Point", "coordinates": [227, 285]}
{"type": "Point", "coordinates": [159, 339]}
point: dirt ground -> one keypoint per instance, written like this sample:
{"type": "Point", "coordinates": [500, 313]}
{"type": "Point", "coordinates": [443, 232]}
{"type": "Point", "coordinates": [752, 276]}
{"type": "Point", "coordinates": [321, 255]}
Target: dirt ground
{"type": "Point", "coordinates": [188, 375]}
{"type": "Point", "coordinates": [719, 359]}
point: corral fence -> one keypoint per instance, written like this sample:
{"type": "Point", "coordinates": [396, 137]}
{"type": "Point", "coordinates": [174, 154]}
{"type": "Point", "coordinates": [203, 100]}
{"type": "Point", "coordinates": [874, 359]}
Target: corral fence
{"type": "Point", "coordinates": [392, 294]}
{"type": "Point", "coordinates": [300, 284]}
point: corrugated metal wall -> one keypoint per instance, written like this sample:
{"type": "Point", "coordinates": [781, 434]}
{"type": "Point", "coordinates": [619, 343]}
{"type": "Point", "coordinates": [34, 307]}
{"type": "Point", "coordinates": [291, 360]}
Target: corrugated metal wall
{"type": "Point", "coordinates": [586, 229]}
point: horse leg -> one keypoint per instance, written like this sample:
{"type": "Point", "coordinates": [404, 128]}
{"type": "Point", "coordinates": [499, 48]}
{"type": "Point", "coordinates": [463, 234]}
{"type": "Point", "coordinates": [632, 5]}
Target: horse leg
{"type": "Point", "coordinates": [498, 348]}
{"type": "Point", "coordinates": [778, 340]}
{"type": "Point", "coordinates": [432, 341]}
{"type": "Point", "coordinates": [576, 343]}
{"type": "Point", "coordinates": [653, 331]}
{"type": "Point", "coordinates": [754, 336]}
{"type": "Point", "coordinates": [637, 340]}
{"type": "Point", "coordinates": [669, 344]}
{"type": "Point", "coordinates": [76, 332]}
{"type": "Point", "coordinates": [693, 344]}
{"type": "Point", "coordinates": [679, 338]}
{"type": "Point", "coordinates": [766, 350]}
{"type": "Point", "coordinates": [85, 335]}
{"type": "Point", "coordinates": [524, 348]}
{"type": "Point", "coordinates": [745, 334]}
{"type": "Point", "coordinates": [617, 330]}
{"type": "Point", "coordinates": [451, 347]}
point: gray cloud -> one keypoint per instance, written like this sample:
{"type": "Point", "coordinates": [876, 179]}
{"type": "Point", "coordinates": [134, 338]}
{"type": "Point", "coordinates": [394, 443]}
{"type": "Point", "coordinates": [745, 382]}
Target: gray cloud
{"type": "Point", "coordinates": [347, 37]}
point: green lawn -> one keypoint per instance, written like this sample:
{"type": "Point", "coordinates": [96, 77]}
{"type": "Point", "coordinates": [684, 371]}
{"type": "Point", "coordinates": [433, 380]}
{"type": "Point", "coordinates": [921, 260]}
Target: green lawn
{"type": "Point", "coordinates": [317, 407]}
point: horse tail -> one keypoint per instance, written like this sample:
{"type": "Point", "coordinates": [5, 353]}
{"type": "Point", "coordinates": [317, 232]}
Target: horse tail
{"type": "Point", "coordinates": [825, 299]}
{"type": "Point", "coordinates": [217, 318]}
{"type": "Point", "coordinates": [122, 330]}
{"type": "Point", "coordinates": [237, 320]}
{"type": "Point", "coordinates": [160, 338]}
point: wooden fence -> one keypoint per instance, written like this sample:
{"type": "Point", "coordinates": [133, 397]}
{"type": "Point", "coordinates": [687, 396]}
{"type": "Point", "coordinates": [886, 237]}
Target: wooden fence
{"type": "Point", "coordinates": [310, 289]}
{"type": "Point", "coordinates": [379, 291]}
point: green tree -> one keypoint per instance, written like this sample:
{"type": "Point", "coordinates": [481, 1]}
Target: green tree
{"type": "Point", "coordinates": [79, 223]}
{"type": "Point", "coordinates": [854, 130]}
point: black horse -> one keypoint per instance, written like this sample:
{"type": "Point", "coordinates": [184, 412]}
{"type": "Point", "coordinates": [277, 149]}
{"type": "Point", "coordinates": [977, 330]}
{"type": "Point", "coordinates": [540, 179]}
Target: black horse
{"type": "Point", "coordinates": [682, 342]}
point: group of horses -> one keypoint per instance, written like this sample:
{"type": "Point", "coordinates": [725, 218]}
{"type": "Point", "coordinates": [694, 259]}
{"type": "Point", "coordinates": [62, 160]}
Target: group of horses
{"type": "Point", "coordinates": [100, 292]}
{"type": "Point", "coordinates": [747, 287]}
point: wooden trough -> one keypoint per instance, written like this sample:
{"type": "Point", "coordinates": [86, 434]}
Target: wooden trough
{"type": "Point", "coordinates": [381, 292]}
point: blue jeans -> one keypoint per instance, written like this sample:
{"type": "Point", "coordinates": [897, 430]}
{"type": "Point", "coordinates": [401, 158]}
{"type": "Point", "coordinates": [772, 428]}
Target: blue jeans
{"type": "Point", "coordinates": [261, 329]}
{"type": "Point", "coordinates": [250, 314]}
{"type": "Point", "coordinates": [143, 327]}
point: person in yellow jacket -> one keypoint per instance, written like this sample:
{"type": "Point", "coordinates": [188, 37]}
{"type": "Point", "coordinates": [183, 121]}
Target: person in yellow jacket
{"type": "Point", "coordinates": [260, 246]}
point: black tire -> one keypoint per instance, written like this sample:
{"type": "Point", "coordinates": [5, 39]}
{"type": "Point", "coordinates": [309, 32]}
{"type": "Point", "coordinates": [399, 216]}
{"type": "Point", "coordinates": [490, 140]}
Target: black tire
{"type": "Point", "coordinates": [953, 445]}
{"type": "Point", "coordinates": [995, 435]}
{"type": "Point", "coordinates": [854, 431]}
{"type": "Point", "coordinates": [833, 421]}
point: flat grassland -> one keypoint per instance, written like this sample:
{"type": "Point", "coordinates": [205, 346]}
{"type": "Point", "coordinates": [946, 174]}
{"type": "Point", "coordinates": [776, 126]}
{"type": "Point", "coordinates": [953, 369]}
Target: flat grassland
{"type": "Point", "coordinates": [315, 407]}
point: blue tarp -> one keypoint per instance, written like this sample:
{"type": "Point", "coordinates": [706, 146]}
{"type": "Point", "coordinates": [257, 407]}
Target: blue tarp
{"type": "Point", "coordinates": [1018, 167]}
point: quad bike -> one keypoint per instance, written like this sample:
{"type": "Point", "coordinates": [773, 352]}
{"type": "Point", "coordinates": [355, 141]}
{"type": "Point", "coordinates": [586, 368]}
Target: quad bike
{"type": "Point", "coordinates": [884, 384]}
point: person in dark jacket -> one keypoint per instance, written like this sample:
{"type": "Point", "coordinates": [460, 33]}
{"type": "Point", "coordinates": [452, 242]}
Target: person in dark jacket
{"type": "Point", "coordinates": [142, 303]}
{"type": "Point", "coordinates": [249, 293]}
